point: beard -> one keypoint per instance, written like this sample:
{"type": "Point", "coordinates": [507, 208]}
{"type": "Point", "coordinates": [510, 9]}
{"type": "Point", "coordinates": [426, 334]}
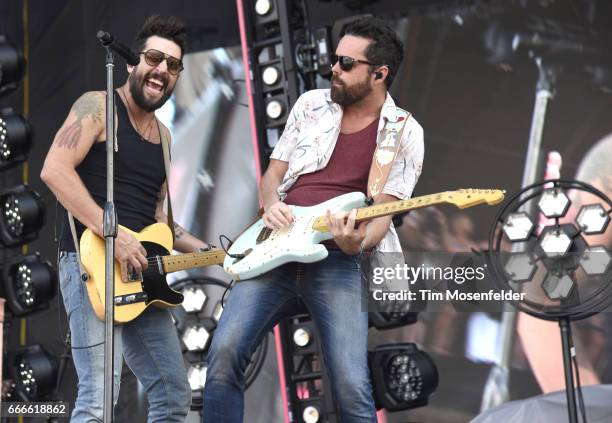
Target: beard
{"type": "Point", "coordinates": [136, 85]}
{"type": "Point", "coordinates": [347, 96]}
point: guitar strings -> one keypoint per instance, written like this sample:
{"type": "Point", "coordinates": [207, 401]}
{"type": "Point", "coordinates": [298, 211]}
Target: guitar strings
{"type": "Point", "coordinates": [155, 259]}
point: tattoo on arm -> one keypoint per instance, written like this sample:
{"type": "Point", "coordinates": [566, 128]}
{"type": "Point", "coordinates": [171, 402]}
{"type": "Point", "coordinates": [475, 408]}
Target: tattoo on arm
{"type": "Point", "coordinates": [88, 104]}
{"type": "Point", "coordinates": [178, 231]}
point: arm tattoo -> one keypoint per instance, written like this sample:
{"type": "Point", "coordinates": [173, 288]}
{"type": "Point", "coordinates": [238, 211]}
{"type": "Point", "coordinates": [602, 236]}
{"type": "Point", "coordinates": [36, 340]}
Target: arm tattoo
{"type": "Point", "coordinates": [178, 230]}
{"type": "Point", "coordinates": [88, 104]}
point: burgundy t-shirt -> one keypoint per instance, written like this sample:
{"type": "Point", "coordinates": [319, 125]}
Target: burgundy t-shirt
{"type": "Point", "coordinates": [347, 170]}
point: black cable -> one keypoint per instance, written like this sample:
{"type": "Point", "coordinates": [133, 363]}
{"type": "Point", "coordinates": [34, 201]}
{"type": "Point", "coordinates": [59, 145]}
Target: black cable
{"type": "Point", "coordinates": [230, 286]}
{"type": "Point", "coordinates": [64, 358]}
{"type": "Point", "coordinates": [579, 389]}
{"type": "Point", "coordinates": [178, 284]}
{"type": "Point", "coordinates": [89, 346]}
{"type": "Point", "coordinates": [578, 385]}
{"type": "Point", "coordinates": [236, 256]}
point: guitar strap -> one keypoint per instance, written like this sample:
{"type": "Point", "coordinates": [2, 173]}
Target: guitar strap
{"type": "Point", "coordinates": [385, 153]}
{"type": "Point", "coordinates": [166, 150]}
{"type": "Point", "coordinates": [77, 249]}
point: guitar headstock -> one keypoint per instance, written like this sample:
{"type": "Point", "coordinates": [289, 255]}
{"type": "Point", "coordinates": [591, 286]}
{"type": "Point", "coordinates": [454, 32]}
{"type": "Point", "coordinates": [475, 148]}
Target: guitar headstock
{"type": "Point", "coordinates": [469, 197]}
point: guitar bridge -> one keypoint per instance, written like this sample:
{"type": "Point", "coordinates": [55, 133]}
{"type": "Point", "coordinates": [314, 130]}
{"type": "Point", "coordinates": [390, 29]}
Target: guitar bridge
{"type": "Point", "coordinates": [140, 297]}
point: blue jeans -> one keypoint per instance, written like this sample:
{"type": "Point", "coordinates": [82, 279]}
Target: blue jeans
{"type": "Point", "coordinates": [331, 289]}
{"type": "Point", "coordinates": [149, 345]}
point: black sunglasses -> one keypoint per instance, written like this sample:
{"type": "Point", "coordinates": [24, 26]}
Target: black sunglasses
{"type": "Point", "coordinates": [346, 62]}
{"type": "Point", "coordinates": [155, 57]}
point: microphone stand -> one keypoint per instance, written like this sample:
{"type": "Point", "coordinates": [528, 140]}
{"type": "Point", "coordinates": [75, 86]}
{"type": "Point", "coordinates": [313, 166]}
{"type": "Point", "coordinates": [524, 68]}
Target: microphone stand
{"type": "Point", "coordinates": [109, 227]}
{"type": "Point", "coordinates": [496, 390]}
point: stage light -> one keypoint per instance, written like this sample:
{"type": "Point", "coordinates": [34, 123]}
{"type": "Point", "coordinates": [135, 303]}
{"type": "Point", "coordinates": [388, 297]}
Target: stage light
{"type": "Point", "coordinates": [403, 376]}
{"type": "Point", "coordinates": [21, 216]}
{"type": "Point", "coordinates": [194, 299]}
{"type": "Point", "coordinates": [274, 109]}
{"type": "Point", "coordinates": [15, 139]}
{"type": "Point", "coordinates": [29, 284]}
{"type": "Point", "coordinates": [558, 286]}
{"type": "Point", "coordinates": [270, 75]}
{"type": "Point", "coordinates": [12, 66]}
{"type": "Point", "coordinates": [34, 372]}
{"type": "Point", "coordinates": [554, 241]}
{"type": "Point", "coordinates": [553, 203]}
{"type": "Point", "coordinates": [263, 7]}
{"type": "Point", "coordinates": [595, 260]}
{"type": "Point", "coordinates": [520, 267]}
{"type": "Point", "coordinates": [518, 227]}
{"type": "Point", "coordinates": [197, 376]}
{"type": "Point", "coordinates": [217, 312]}
{"type": "Point", "coordinates": [311, 414]}
{"type": "Point", "coordinates": [301, 337]}
{"type": "Point", "coordinates": [592, 219]}
{"type": "Point", "coordinates": [196, 338]}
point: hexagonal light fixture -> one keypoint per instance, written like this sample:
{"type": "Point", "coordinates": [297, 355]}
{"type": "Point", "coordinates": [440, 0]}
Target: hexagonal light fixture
{"type": "Point", "coordinates": [554, 242]}
{"type": "Point", "coordinates": [197, 376]}
{"type": "Point", "coordinates": [518, 227]}
{"type": "Point", "coordinates": [558, 286]}
{"type": "Point", "coordinates": [592, 219]}
{"type": "Point", "coordinates": [194, 301]}
{"type": "Point", "coordinates": [595, 260]}
{"type": "Point", "coordinates": [520, 267]}
{"type": "Point", "coordinates": [553, 203]}
{"type": "Point", "coordinates": [195, 338]}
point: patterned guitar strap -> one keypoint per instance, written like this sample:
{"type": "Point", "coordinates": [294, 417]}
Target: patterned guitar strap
{"type": "Point", "coordinates": [166, 151]}
{"type": "Point", "coordinates": [385, 153]}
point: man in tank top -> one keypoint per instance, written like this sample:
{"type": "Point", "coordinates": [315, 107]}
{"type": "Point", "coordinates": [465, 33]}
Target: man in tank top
{"type": "Point", "coordinates": [326, 150]}
{"type": "Point", "coordinates": [75, 170]}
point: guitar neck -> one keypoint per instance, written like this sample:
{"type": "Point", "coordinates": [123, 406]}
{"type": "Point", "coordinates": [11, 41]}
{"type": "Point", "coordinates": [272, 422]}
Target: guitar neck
{"type": "Point", "coordinates": [385, 209]}
{"type": "Point", "coordinates": [174, 263]}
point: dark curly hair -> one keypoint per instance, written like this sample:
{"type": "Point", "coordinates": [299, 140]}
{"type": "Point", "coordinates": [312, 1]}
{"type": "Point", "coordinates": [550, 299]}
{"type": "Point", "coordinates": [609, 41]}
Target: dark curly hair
{"type": "Point", "coordinates": [385, 48]}
{"type": "Point", "coordinates": [170, 28]}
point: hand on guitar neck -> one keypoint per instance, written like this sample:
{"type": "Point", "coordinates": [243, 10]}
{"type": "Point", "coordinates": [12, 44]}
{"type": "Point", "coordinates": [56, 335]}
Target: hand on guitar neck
{"type": "Point", "coordinates": [346, 235]}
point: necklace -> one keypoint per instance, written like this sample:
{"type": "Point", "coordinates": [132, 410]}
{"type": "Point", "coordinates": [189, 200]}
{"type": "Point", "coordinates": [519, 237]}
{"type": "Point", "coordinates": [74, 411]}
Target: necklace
{"type": "Point", "coordinates": [143, 137]}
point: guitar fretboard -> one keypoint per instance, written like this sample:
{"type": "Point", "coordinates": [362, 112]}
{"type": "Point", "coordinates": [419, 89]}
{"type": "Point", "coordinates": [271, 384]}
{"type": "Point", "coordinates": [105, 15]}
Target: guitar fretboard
{"type": "Point", "coordinates": [462, 198]}
{"type": "Point", "coordinates": [188, 261]}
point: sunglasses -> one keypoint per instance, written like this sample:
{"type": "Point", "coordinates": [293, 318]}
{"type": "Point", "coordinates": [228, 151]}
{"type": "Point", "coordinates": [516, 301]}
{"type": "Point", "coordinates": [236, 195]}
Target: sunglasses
{"type": "Point", "coordinates": [347, 63]}
{"type": "Point", "coordinates": [155, 57]}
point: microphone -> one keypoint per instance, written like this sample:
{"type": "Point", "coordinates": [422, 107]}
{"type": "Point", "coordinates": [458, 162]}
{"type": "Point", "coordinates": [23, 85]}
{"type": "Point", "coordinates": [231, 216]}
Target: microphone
{"type": "Point", "coordinates": [122, 50]}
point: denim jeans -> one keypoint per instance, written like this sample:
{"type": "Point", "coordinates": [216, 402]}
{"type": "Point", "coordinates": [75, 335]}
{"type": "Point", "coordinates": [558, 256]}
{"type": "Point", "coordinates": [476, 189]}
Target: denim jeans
{"type": "Point", "coordinates": [331, 289]}
{"type": "Point", "coordinates": [149, 345]}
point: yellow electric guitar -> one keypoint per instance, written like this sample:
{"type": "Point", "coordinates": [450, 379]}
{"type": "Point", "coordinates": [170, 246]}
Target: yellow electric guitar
{"type": "Point", "coordinates": [149, 288]}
